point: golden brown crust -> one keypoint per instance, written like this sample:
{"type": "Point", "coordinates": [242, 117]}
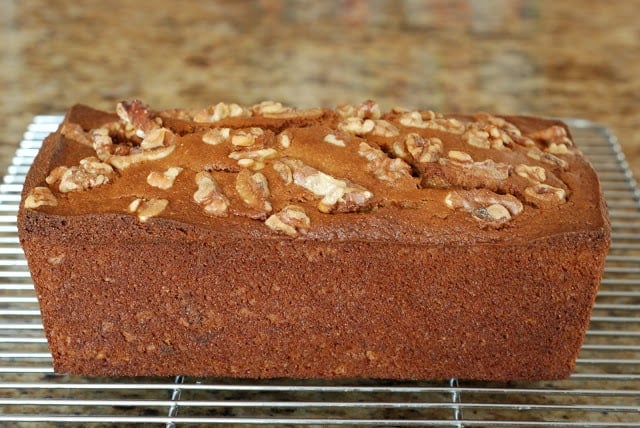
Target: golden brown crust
{"type": "Point", "coordinates": [266, 241]}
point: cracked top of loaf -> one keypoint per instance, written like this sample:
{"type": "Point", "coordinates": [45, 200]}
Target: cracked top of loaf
{"type": "Point", "coordinates": [353, 172]}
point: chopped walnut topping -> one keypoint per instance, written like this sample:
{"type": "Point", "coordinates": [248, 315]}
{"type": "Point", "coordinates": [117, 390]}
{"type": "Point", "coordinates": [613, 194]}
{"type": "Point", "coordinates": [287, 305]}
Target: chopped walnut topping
{"type": "Point", "coordinates": [88, 174]}
{"type": "Point", "coordinates": [159, 137]}
{"type": "Point", "coordinates": [545, 196]}
{"type": "Point", "coordinates": [485, 205]}
{"type": "Point", "coordinates": [332, 139]}
{"type": "Point", "coordinates": [73, 131]}
{"type": "Point", "coordinates": [39, 196]}
{"type": "Point", "coordinates": [246, 138]}
{"type": "Point", "coordinates": [221, 111]}
{"type": "Point", "coordinates": [284, 140]}
{"type": "Point", "coordinates": [283, 171]}
{"type": "Point", "coordinates": [464, 172]}
{"type": "Point", "coordinates": [555, 134]}
{"type": "Point", "coordinates": [492, 132]}
{"type": "Point", "coordinates": [254, 159]}
{"type": "Point", "coordinates": [210, 196]}
{"type": "Point", "coordinates": [535, 174]}
{"type": "Point", "coordinates": [367, 110]}
{"type": "Point", "coordinates": [356, 125]}
{"type": "Point", "coordinates": [431, 120]}
{"type": "Point", "coordinates": [385, 129]}
{"type": "Point", "coordinates": [548, 158]}
{"type": "Point", "coordinates": [139, 116]}
{"type": "Point", "coordinates": [458, 156]}
{"type": "Point", "coordinates": [145, 209]}
{"type": "Point", "coordinates": [254, 190]}
{"type": "Point", "coordinates": [337, 195]}
{"type": "Point", "coordinates": [382, 166]}
{"type": "Point", "coordinates": [291, 220]}
{"type": "Point", "coordinates": [216, 136]}
{"type": "Point", "coordinates": [164, 180]}
{"type": "Point", "coordinates": [558, 149]}
{"type": "Point", "coordinates": [415, 147]}
{"type": "Point", "coordinates": [124, 162]}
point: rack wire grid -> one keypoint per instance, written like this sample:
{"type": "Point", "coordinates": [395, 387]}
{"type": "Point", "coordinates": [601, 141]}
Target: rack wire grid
{"type": "Point", "coordinates": [602, 392]}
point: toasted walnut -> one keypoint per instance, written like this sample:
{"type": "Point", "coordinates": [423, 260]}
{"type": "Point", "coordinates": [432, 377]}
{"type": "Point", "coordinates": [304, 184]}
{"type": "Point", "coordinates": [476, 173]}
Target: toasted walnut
{"type": "Point", "coordinates": [462, 171]}
{"type": "Point", "coordinates": [257, 155]}
{"type": "Point", "coordinates": [220, 111]}
{"type": "Point", "coordinates": [283, 171]}
{"type": "Point", "coordinates": [147, 208]}
{"type": "Point", "coordinates": [284, 140]}
{"type": "Point", "coordinates": [545, 196]}
{"type": "Point", "coordinates": [139, 116]}
{"type": "Point", "coordinates": [535, 174]}
{"type": "Point", "coordinates": [73, 131]}
{"type": "Point", "coordinates": [367, 110]}
{"type": "Point", "coordinates": [415, 147]}
{"type": "Point", "coordinates": [291, 220]}
{"type": "Point", "coordinates": [39, 196]}
{"type": "Point", "coordinates": [382, 166]}
{"type": "Point", "coordinates": [459, 156]}
{"type": "Point", "coordinates": [163, 180]}
{"type": "Point", "coordinates": [493, 132]}
{"type": "Point", "coordinates": [337, 195]}
{"type": "Point", "coordinates": [485, 205]}
{"type": "Point", "coordinates": [246, 138]}
{"type": "Point", "coordinates": [159, 137]}
{"type": "Point", "coordinates": [210, 196]}
{"type": "Point", "coordinates": [558, 149]}
{"type": "Point", "coordinates": [90, 173]}
{"type": "Point", "coordinates": [385, 129]}
{"type": "Point", "coordinates": [332, 139]}
{"type": "Point", "coordinates": [346, 110]}
{"type": "Point", "coordinates": [548, 158]}
{"type": "Point", "coordinates": [216, 136]}
{"type": "Point", "coordinates": [356, 125]}
{"type": "Point", "coordinates": [555, 134]}
{"type": "Point", "coordinates": [431, 120]}
{"type": "Point", "coordinates": [254, 190]}
{"type": "Point", "coordinates": [124, 162]}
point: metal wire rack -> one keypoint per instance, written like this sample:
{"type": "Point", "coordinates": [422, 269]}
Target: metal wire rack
{"type": "Point", "coordinates": [604, 391]}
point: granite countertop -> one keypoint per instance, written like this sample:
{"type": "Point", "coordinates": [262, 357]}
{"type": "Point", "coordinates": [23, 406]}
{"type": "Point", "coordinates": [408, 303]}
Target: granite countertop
{"type": "Point", "coordinates": [547, 58]}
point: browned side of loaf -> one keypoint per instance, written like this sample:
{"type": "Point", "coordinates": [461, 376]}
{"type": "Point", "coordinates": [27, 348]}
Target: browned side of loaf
{"type": "Point", "coordinates": [356, 309]}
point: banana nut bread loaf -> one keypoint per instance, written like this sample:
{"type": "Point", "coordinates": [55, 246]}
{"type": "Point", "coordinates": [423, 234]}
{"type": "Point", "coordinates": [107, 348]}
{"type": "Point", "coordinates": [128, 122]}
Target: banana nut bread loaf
{"type": "Point", "coordinates": [268, 242]}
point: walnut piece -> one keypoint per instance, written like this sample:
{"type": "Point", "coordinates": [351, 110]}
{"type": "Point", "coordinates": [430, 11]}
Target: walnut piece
{"type": "Point", "coordinates": [384, 128]}
{"type": "Point", "coordinates": [485, 205]}
{"type": "Point", "coordinates": [164, 180]}
{"type": "Point", "coordinates": [492, 132]}
{"type": "Point", "coordinates": [431, 120]}
{"type": "Point", "coordinates": [357, 126]}
{"type": "Point", "coordinates": [332, 139]}
{"type": "Point", "coordinates": [420, 149]}
{"type": "Point", "coordinates": [459, 169]}
{"type": "Point", "coordinates": [291, 220]}
{"type": "Point", "coordinates": [382, 166]}
{"type": "Point", "coordinates": [159, 137]}
{"type": "Point", "coordinates": [246, 138]}
{"type": "Point", "coordinates": [138, 115]}
{"type": "Point", "coordinates": [337, 195]}
{"type": "Point", "coordinates": [544, 195]}
{"type": "Point", "coordinates": [535, 174]}
{"type": "Point", "coordinates": [283, 171]}
{"type": "Point", "coordinates": [147, 208]}
{"type": "Point", "coordinates": [216, 136]}
{"type": "Point", "coordinates": [210, 196]}
{"type": "Point", "coordinates": [90, 173]}
{"type": "Point", "coordinates": [73, 131]}
{"type": "Point", "coordinates": [548, 158]}
{"type": "Point", "coordinates": [220, 111]}
{"type": "Point", "coordinates": [254, 190]}
{"type": "Point", "coordinates": [284, 140]}
{"type": "Point", "coordinates": [40, 196]}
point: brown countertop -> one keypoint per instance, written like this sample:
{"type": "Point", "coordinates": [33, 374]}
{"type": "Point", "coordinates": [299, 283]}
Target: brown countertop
{"type": "Point", "coordinates": [546, 58]}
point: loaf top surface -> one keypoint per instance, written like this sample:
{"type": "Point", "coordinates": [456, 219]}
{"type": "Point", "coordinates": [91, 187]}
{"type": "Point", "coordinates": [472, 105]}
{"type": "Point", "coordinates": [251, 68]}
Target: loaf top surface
{"type": "Point", "coordinates": [349, 173]}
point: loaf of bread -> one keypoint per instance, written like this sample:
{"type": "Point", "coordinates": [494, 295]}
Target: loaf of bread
{"type": "Point", "coordinates": [274, 242]}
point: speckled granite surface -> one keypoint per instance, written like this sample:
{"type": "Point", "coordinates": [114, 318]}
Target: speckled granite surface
{"type": "Point", "coordinates": [518, 56]}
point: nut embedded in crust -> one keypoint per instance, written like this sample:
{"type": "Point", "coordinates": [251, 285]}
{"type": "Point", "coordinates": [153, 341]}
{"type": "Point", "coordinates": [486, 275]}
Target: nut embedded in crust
{"type": "Point", "coordinates": [39, 196]}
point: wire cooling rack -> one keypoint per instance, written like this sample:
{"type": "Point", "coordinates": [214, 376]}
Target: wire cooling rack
{"type": "Point", "coordinates": [604, 391]}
